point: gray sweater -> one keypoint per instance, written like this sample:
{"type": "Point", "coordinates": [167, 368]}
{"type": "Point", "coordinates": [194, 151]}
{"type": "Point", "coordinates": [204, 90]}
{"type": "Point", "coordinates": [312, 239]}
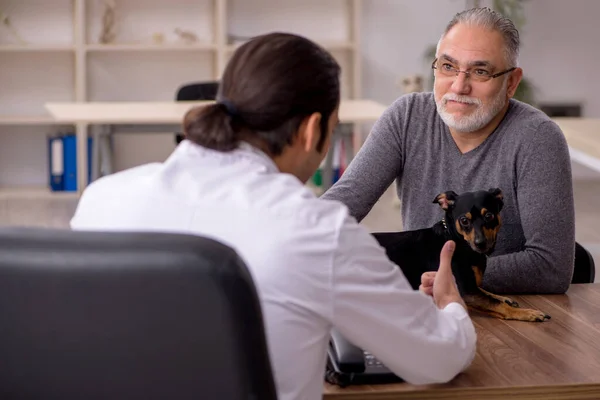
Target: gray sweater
{"type": "Point", "coordinates": [526, 156]}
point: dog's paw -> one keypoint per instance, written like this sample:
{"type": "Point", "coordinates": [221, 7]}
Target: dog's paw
{"type": "Point", "coordinates": [532, 315]}
{"type": "Point", "coordinates": [511, 302]}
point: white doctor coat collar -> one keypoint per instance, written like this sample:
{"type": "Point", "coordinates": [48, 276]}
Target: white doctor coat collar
{"type": "Point", "coordinates": [244, 152]}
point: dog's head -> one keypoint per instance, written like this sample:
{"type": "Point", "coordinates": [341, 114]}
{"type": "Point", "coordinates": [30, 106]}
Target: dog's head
{"type": "Point", "coordinates": [474, 215]}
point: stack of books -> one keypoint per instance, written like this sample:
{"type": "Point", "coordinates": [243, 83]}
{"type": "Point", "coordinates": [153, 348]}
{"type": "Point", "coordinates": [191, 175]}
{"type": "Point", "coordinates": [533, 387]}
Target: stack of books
{"type": "Point", "coordinates": [339, 164]}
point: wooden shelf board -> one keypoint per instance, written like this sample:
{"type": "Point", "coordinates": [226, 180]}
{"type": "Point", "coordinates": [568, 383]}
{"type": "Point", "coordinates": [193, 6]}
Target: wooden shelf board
{"type": "Point", "coordinates": [36, 48]}
{"type": "Point", "coordinates": [35, 192]}
{"type": "Point", "coordinates": [149, 47]}
{"type": "Point", "coordinates": [28, 120]}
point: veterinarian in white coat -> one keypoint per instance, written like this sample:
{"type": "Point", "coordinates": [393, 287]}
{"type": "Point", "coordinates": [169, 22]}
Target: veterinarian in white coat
{"type": "Point", "coordinates": [239, 177]}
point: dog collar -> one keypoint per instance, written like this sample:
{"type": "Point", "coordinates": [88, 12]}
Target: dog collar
{"type": "Point", "coordinates": [444, 223]}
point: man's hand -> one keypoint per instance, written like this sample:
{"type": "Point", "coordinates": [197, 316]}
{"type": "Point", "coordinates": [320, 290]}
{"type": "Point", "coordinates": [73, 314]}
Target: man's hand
{"type": "Point", "coordinates": [441, 284]}
{"type": "Point", "coordinates": [427, 282]}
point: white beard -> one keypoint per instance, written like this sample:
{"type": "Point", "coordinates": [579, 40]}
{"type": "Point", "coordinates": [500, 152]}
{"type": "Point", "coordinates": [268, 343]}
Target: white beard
{"type": "Point", "coordinates": [479, 118]}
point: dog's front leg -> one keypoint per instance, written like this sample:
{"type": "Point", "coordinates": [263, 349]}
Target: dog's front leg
{"type": "Point", "coordinates": [492, 305]}
{"type": "Point", "coordinates": [503, 299]}
{"type": "Point", "coordinates": [479, 278]}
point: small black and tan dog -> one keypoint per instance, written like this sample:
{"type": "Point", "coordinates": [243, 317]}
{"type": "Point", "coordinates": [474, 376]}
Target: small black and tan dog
{"type": "Point", "coordinates": [472, 220]}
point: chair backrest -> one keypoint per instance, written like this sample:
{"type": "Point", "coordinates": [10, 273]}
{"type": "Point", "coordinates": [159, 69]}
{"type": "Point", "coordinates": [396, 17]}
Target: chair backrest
{"type": "Point", "coordinates": [196, 91]}
{"type": "Point", "coordinates": [585, 268]}
{"type": "Point", "coordinates": [92, 315]}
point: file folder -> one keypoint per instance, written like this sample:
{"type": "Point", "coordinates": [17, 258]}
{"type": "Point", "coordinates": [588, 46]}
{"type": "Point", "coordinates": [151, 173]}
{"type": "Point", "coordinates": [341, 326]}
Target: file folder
{"type": "Point", "coordinates": [70, 162]}
{"type": "Point", "coordinates": [62, 149]}
{"type": "Point", "coordinates": [55, 163]}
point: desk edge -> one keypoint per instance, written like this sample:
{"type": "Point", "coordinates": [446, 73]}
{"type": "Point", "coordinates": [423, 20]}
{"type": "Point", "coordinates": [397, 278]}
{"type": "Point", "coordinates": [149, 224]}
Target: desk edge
{"type": "Point", "coordinates": [556, 392]}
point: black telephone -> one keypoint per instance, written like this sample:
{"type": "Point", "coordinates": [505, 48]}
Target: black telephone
{"type": "Point", "coordinates": [347, 364]}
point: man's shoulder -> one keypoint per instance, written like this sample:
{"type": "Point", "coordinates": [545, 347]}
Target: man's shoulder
{"type": "Point", "coordinates": [525, 115]}
{"type": "Point", "coordinates": [408, 114]}
{"type": "Point", "coordinates": [106, 194]}
{"type": "Point", "coordinates": [414, 102]}
{"type": "Point", "coordinates": [121, 179]}
{"type": "Point", "coordinates": [300, 204]}
{"type": "Point", "coordinates": [527, 123]}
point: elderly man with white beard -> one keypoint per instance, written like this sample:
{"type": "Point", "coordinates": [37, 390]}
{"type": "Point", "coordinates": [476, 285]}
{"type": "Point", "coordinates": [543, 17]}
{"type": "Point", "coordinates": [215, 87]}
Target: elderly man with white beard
{"type": "Point", "coordinates": [471, 134]}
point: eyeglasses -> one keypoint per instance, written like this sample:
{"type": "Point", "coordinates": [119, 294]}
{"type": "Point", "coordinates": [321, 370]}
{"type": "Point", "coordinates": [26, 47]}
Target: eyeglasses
{"type": "Point", "coordinates": [479, 74]}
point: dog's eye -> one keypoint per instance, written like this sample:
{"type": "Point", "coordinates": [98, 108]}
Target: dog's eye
{"type": "Point", "coordinates": [464, 221]}
{"type": "Point", "coordinates": [488, 216]}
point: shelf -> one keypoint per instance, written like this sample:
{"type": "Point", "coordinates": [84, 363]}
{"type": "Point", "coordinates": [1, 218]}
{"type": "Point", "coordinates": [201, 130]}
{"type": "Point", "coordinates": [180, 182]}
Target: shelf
{"type": "Point", "coordinates": [124, 76]}
{"type": "Point", "coordinates": [65, 60]}
{"type": "Point", "coordinates": [150, 47]}
{"type": "Point", "coordinates": [34, 193]}
{"type": "Point", "coordinates": [28, 120]}
{"type": "Point", "coordinates": [332, 46]}
{"type": "Point", "coordinates": [36, 48]}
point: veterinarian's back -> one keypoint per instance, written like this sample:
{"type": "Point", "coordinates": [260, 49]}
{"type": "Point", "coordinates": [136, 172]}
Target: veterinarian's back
{"type": "Point", "coordinates": [315, 268]}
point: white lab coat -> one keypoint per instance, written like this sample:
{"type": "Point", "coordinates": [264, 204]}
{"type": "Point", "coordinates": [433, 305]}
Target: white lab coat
{"type": "Point", "coordinates": [313, 265]}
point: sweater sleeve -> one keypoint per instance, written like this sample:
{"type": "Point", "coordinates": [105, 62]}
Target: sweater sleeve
{"type": "Point", "coordinates": [546, 207]}
{"type": "Point", "coordinates": [376, 165]}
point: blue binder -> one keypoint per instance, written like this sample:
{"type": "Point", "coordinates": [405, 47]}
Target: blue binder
{"type": "Point", "coordinates": [55, 163]}
{"type": "Point", "coordinates": [336, 162]}
{"type": "Point", "coordinates": [70, 162]}
{"type": "Point", "coordinates": [89, 159]}
{"type": "Point", "coordinates": [63, 162]}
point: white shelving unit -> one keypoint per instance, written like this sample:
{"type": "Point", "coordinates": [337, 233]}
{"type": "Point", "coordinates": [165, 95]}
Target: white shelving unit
{"type": "Point", "coordinates": [62, 60]}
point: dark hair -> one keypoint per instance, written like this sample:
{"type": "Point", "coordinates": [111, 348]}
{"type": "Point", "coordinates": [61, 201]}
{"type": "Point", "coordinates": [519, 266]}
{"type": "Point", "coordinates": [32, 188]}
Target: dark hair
{"type": "Point", "coordinates": [269, 86]}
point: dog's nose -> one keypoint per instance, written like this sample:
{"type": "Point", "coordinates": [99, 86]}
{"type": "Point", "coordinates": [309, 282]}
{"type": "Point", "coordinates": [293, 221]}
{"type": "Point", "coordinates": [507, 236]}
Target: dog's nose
{"type": "Point", "coordinates": [480, 243]}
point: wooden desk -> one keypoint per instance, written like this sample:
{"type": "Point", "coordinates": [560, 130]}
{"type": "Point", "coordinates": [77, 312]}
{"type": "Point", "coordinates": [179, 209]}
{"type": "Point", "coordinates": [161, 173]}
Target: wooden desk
{"type": "Point", "coordinates": [557, 359]}
{"type": "Point", "coordinates": [583, 138]}
{"type": "Point", "coordinates": [131, 117]}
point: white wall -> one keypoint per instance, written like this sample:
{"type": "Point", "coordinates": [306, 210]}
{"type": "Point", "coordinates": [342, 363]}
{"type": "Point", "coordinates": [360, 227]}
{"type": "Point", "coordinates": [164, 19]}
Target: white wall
{"type": "Point", "coordinates": [560, 60]}
{"type": "Point", "coordinates": [560, 51]}
{"type": "Point", "coordinates": [395, 37]}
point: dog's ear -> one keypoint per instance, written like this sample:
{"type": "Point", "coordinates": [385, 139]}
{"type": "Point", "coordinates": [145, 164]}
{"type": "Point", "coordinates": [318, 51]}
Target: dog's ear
{"type": "Point", "coordinates": [497, 193]}
{"type": "Point", "coordinates": [446, 200]}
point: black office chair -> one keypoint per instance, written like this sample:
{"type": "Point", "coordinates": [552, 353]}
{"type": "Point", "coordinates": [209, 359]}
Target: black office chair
{"type": "Point", "coordinates": [128, 316]}
{"type": "Point", "coordinates": [193, 92]}
{"type": "Point", "coordinates": [585, 268]}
